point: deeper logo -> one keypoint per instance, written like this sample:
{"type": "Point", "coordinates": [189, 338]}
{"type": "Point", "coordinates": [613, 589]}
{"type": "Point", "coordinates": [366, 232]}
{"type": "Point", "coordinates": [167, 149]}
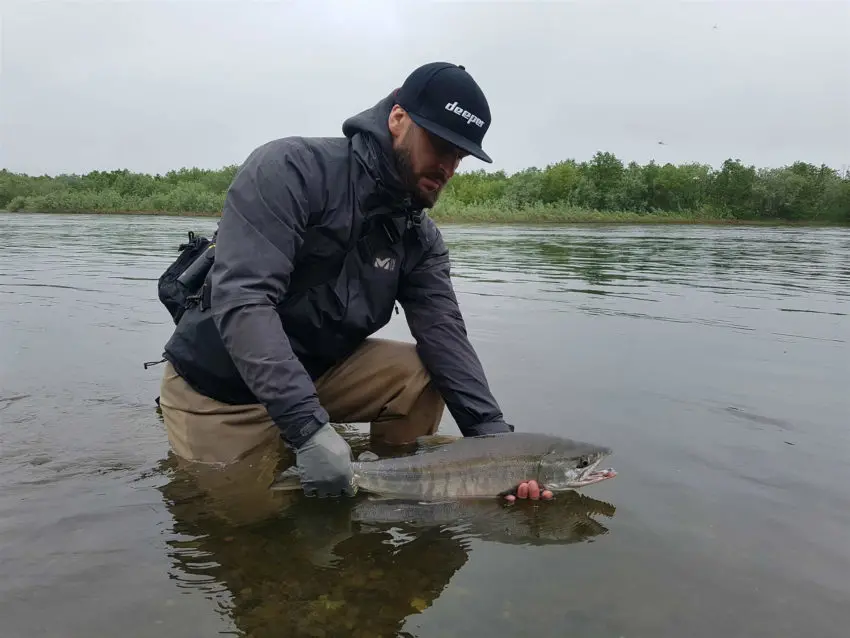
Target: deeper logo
{"type": "Point", "coordinates": [470, 118]}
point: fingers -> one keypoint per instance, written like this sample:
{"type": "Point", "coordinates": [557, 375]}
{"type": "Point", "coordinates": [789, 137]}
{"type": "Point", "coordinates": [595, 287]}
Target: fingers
{"type": "Point", "coordinates": [530, 490]}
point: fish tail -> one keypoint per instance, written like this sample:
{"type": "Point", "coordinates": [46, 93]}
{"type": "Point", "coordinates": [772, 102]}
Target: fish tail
{"type": "Point", "coordinates": [288, 480]}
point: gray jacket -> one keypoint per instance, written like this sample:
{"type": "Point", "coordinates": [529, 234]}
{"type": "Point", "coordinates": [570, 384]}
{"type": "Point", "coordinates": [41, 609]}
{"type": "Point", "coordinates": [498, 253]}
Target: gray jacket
{"type": "Point", "coordinates": [293, 203]}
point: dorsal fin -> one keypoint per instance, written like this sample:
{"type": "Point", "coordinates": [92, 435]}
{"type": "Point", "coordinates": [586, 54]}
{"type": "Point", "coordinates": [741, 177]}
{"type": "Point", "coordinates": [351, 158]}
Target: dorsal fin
{"type": "Point", "coordinates": [432, 441]}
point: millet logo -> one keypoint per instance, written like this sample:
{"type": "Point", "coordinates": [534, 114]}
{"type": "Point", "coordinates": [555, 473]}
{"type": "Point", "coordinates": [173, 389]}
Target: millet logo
{"type": "Point", "coordinates": [469, 117]}
{"type": "Point", "coordinates": [386, 262]}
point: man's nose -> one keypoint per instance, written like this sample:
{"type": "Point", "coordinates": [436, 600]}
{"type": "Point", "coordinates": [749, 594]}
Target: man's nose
{"type": "Point", "coordinates": [448, 164]}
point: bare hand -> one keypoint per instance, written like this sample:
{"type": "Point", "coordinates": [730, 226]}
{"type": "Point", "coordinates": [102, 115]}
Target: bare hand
{"type": "Point", "coordinates": [529, 489]}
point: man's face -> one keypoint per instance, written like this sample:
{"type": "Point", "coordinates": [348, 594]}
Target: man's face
{"type": "Point", "coordinates": [425, 161]}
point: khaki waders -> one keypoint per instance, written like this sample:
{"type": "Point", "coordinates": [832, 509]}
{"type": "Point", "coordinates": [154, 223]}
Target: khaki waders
{"type": "Point", "coordinates": [382, 383]}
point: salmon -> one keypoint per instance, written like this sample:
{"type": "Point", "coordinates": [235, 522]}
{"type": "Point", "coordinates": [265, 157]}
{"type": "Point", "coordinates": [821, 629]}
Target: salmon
{"type": "Point", "coordinates": [475, 467]}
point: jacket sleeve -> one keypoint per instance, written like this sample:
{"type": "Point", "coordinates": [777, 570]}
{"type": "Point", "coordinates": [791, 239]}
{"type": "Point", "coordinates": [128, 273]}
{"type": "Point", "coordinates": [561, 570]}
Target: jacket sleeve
{"type": "Point", "coordinates": [436, 323]}
{"type": "Point", "coordinates": [266, 211]}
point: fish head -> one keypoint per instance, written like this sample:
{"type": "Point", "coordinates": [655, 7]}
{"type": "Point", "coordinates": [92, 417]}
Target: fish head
{"type": "Point", "coordinates": [570, 465]}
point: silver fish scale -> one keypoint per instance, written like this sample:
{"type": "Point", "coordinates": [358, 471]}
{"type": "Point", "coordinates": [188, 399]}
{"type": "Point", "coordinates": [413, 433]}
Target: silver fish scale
{"type": "Point", "coordinates": [485, 477]}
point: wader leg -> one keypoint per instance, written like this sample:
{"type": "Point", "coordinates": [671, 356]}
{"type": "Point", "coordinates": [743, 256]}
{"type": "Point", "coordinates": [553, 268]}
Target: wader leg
{"type": "Point", "coordinates": [205, 430]}
{"type": "Point", "coordinates": [231, 452]}
{"type": "Point", "coordinates": [383, 383]}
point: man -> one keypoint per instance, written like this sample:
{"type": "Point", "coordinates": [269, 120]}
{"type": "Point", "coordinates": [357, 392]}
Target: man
{"type": "Point", "coordinates": [318, 239]}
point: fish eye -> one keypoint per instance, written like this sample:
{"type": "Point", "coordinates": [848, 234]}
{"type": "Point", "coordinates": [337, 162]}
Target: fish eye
{"type": "Point", "coordinates": [583, 462]}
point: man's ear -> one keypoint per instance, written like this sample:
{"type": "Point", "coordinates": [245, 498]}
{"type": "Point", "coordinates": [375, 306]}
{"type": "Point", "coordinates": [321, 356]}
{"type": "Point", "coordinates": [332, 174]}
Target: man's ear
{"type": "Point", "coordinates": [397, 121]}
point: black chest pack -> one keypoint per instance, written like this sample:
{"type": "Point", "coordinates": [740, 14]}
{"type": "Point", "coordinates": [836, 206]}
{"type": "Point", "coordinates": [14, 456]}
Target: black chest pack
{"type": "Point", "coordinates": [185, 282]}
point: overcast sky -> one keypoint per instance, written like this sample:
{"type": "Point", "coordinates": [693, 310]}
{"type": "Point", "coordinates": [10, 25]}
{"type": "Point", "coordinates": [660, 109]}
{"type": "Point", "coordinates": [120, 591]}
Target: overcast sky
{"type": "Point", "coordinates": [152, 86]}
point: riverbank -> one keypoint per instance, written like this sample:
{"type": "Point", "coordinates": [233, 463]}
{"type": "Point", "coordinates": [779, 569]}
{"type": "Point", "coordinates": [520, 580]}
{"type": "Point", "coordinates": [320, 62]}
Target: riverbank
{"type": "Point", "coordinates": [541, 215]}
{"type": "Point", "coordinates": [564, 214]}
{"type": "Point", "coordinates": [601, 190]}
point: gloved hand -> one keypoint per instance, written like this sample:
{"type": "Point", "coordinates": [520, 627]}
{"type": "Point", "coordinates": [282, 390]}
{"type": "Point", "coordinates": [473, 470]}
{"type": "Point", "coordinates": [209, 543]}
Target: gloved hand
{"type": "Point", "coordinates": [324, 463]}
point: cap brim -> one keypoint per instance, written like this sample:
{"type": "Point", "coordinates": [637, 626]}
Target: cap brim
{"type": "Point", "coordinates": [451, 137]}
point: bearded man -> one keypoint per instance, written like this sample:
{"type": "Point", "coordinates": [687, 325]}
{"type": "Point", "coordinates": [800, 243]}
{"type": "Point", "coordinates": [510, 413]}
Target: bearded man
{"type": "Point", "coordinates": [319, 239]}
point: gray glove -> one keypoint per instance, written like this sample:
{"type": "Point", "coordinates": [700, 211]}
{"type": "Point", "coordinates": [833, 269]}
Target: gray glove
{"type": "Point", "coordinates": [324, 463]}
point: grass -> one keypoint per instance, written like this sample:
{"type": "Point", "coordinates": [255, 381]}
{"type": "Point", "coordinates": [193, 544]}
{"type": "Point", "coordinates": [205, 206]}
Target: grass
{"type": "Point", "coordinates": [455, 213]}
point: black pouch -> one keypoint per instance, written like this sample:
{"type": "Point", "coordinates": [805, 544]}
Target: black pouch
{"type": "Point", "coordinates": [183, 278]}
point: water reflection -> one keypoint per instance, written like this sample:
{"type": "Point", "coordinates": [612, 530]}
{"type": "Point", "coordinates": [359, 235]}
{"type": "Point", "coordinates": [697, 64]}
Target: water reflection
{"type": "Point", "coordinates": [280, 564]}
{"type": "Point", "coordinates": [672, 275]}
{"type": "Point", "coordinates": [616, 257]}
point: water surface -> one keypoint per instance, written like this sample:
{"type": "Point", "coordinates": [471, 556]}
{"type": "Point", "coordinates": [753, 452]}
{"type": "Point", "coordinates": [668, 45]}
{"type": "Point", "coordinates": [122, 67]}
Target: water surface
{"type": "Point", "coordinates": [713, 360]}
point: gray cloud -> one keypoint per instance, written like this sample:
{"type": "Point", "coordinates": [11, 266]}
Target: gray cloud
{"type": "Point", "coordinates": [152, 86]}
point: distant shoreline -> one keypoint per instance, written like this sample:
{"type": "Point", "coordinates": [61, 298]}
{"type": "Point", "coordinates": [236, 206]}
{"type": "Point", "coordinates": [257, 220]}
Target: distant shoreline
{"type": "Point", "coordinates": [153, 213]}
{"type": "Point", "coordinates": [563, 217]}
{"type": "Point", "coordinates": [601, 190]}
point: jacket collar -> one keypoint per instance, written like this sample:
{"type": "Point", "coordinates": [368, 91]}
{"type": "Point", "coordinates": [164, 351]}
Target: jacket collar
{"type": "Point", "coordinates": [378, 185]}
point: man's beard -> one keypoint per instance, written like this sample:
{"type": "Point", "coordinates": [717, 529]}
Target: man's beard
{"type": "Point", "coordinates": [425, 199]}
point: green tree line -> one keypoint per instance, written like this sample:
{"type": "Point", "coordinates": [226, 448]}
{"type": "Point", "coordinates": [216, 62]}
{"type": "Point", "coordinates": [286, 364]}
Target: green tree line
{"type": "Point", "coordinates": [188, 190]}
{"type": "Point", "coordinates": [603, 185]}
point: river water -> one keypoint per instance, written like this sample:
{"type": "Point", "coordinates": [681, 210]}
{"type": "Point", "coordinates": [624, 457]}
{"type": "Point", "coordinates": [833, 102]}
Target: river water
{"type": "Point", "coordinates": [713, 360]}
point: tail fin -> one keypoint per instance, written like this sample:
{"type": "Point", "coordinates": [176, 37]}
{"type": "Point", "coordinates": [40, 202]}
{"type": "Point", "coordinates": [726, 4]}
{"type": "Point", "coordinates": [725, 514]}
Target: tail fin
{"type": "Point", "coordinates": [288, 480]}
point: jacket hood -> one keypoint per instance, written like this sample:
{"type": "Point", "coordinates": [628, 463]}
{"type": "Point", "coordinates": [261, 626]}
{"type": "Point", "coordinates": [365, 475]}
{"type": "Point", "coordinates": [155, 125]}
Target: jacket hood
{"type": "Point", "coordinates": [372, 143]}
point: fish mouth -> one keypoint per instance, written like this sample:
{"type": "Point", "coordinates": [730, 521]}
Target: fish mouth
{"type": "Point", "coordinates": [590, 475]}
{"type": "Point", "coordinates": [594, 476]}
{"type": "Point", "coordinates": [574, 479]}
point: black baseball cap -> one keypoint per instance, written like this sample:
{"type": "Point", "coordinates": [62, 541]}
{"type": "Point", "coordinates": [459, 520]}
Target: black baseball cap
{"type": "Point", "coordinates": [442, 98]}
